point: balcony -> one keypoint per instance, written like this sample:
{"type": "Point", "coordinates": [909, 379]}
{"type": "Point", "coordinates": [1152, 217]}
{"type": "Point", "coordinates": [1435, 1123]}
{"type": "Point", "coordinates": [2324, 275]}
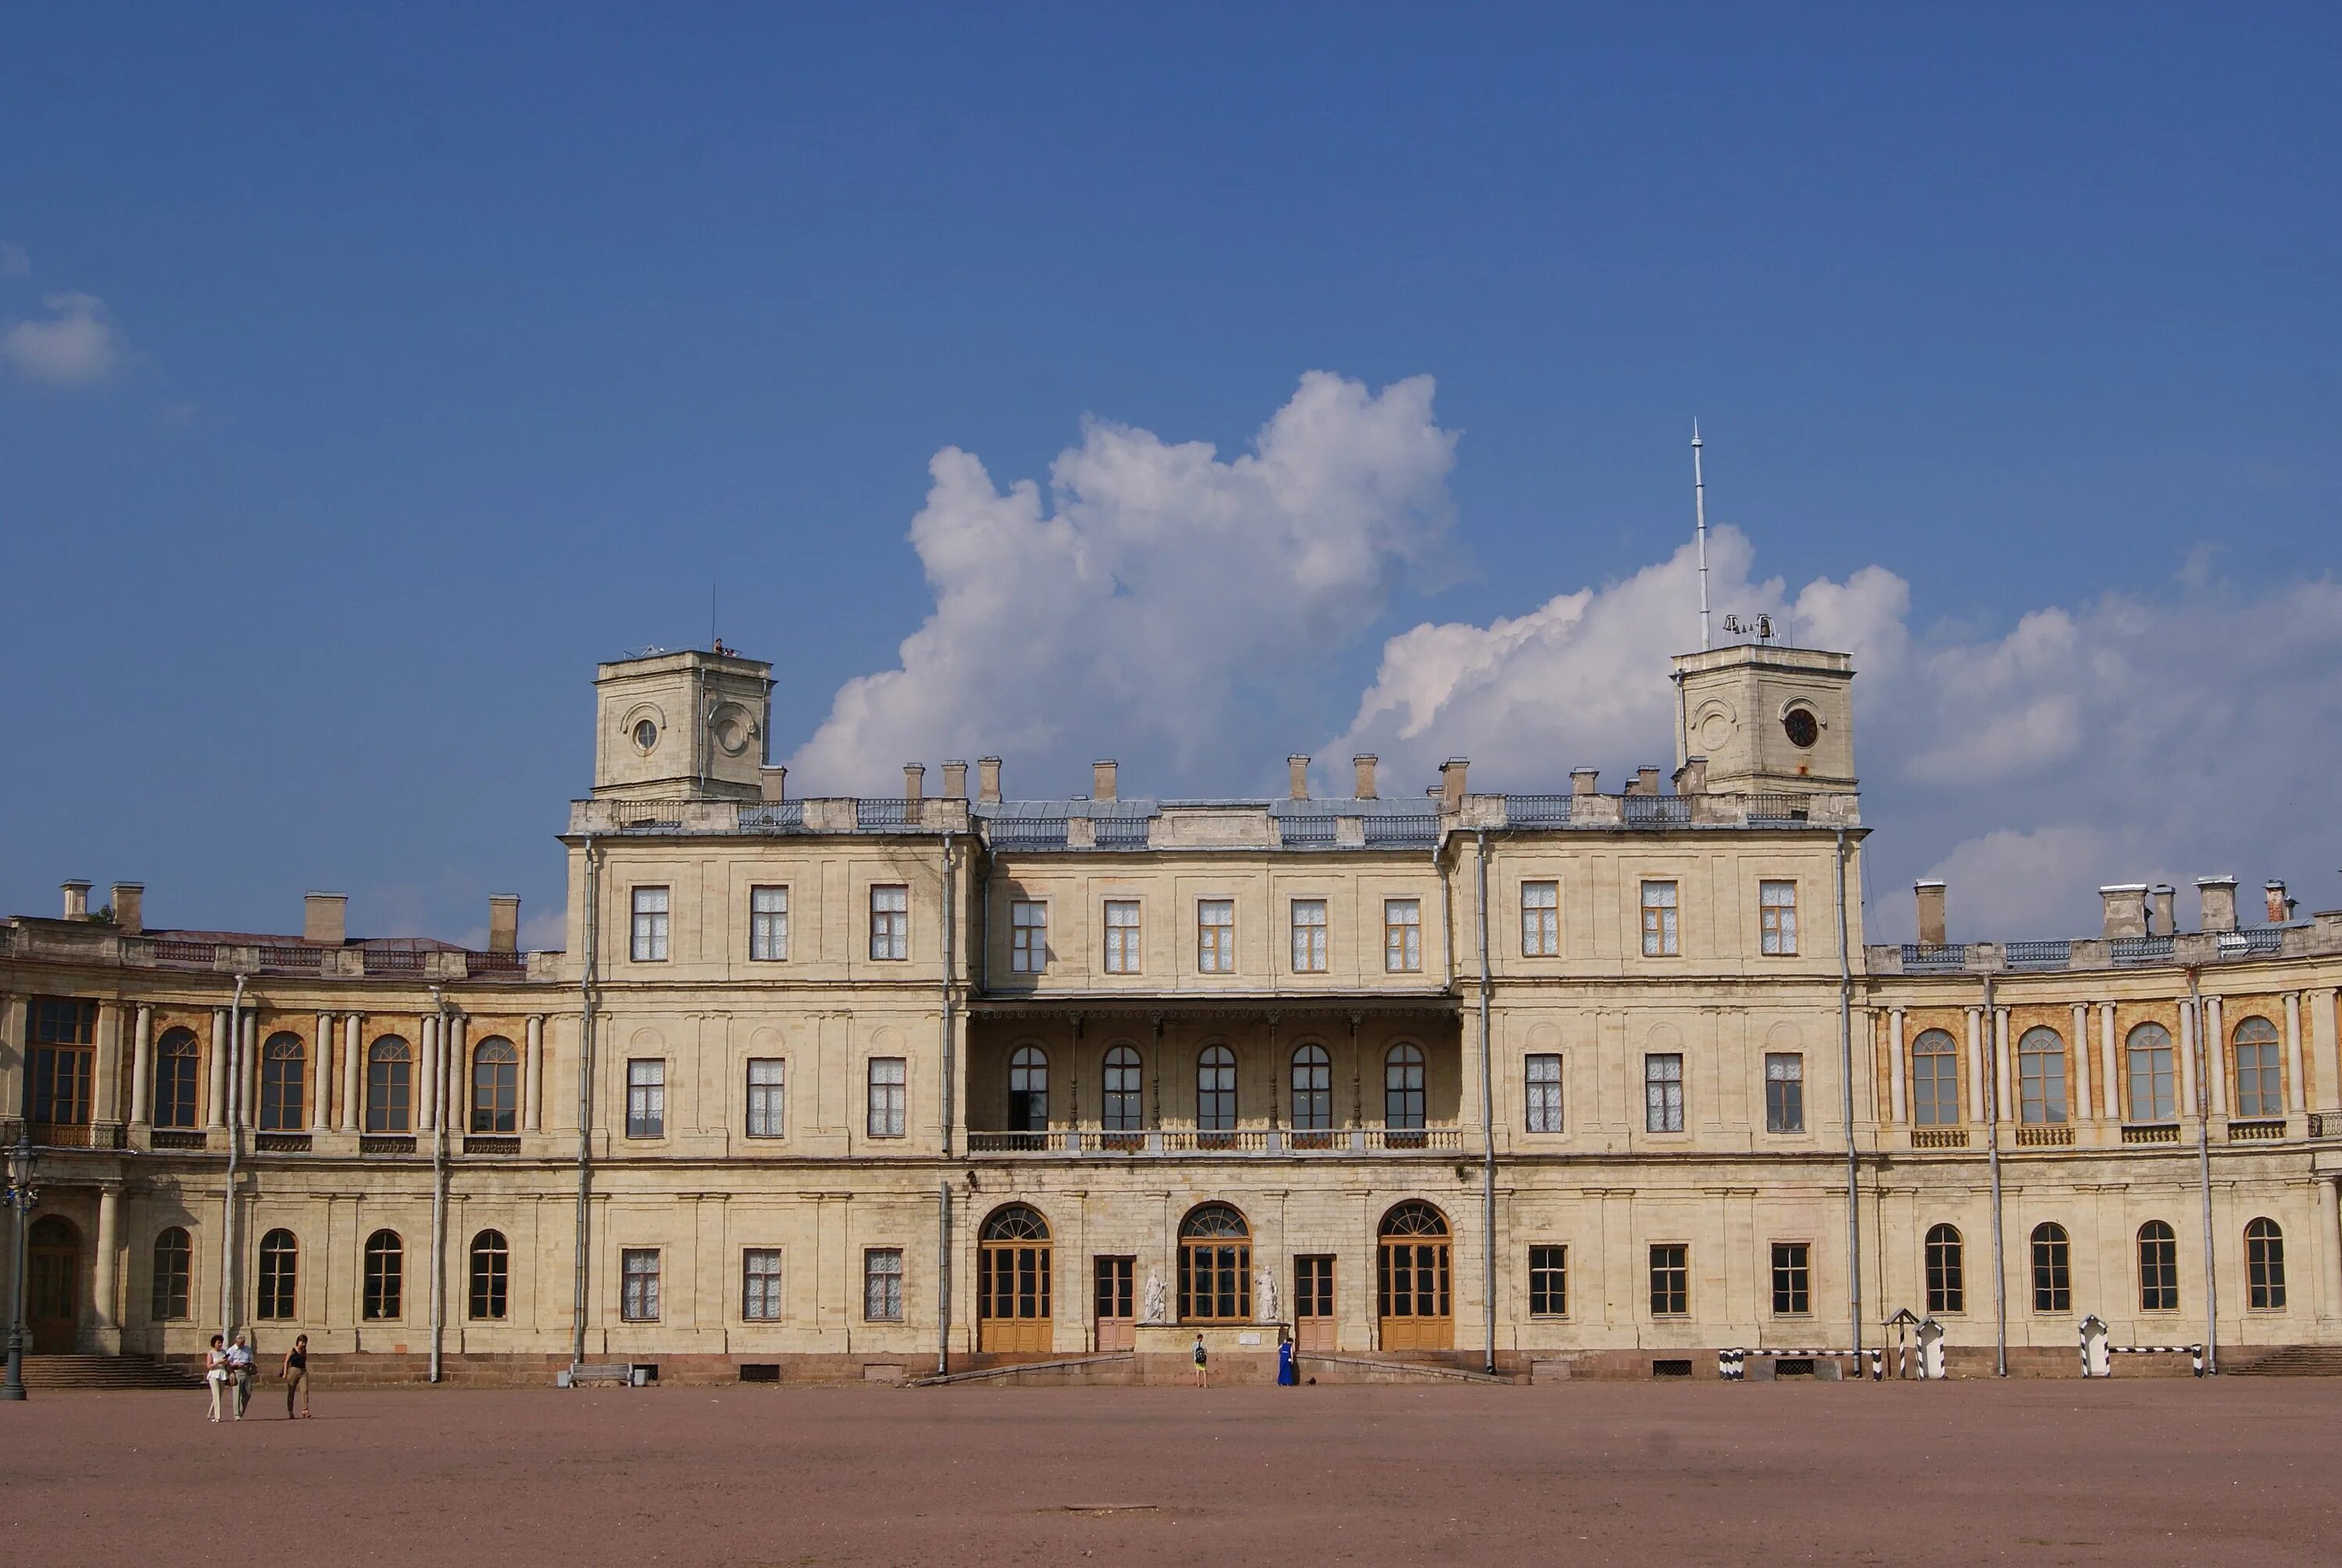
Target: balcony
{"type": "Point", "coordinates": [63, 1134]}
{"type": "Point", "coordinates": [1236, 1143]}
{"type": "Point", "coordinates": [1940, 1137]}
{"type": "Point", "coordinates": [2269, 1131]}
{"type": "Point", "coordinates": [2054, 1137]}
{"type": "Point", "coordinates": [280, 1142]}
{"type": "Point", "coordinates": [2151, 1132]}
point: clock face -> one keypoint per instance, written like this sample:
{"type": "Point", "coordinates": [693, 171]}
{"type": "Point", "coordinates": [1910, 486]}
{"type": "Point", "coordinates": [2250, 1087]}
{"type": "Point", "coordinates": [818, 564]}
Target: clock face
{"type": "Point", "coordinates": [645, 734]}
{"type": "Point", "coordinates": [1801, 728]}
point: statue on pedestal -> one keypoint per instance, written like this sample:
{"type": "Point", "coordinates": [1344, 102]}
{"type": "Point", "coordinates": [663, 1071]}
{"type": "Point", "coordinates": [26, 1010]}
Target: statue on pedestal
{"type": "Point", "coordinates": [1264, 1297]}
{"type": "Point", "coordinates": [1158, 1305]}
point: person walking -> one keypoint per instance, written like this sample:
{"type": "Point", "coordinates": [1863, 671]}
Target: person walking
{"type": "Point", "coordinates": [297, 1375]}
{"type": "Point", "coordinates": [216, 1373]}
{"type": "Point", "coordinates": [239, 1369]}
{"type": "Point", "coordinates": [1202, 1375]}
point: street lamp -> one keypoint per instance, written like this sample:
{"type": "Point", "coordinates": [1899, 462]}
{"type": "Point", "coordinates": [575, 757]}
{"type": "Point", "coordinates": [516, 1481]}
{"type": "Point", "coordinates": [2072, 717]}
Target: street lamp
{"type": "Point", "coordinates": [21, 1194]}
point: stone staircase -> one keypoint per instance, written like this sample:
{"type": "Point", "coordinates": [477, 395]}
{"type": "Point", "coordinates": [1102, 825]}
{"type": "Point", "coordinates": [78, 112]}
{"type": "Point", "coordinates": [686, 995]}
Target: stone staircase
{"type": "Point", "coordinates": [2292, 1361]}
{"type": "Point", "coordinates": [63, 1371]}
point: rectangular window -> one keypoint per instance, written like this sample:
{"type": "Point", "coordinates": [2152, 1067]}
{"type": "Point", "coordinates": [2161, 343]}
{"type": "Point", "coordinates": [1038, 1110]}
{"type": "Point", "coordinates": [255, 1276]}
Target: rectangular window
{"type": "Point", "coordinates": [1670, 1279]}
{"type": "Point", "coordinates": [1548, 1282]}
{"type": "Point", "coordinates": [2158, 1268]}
{"type": "Point", "coordinates": [1540, 920]}
{"type": "Point", "coordinates": [1792, 1279]}
{"type": "Point", "coordinates": [646, 1099]}
{"type": "Point", "coordinates": [1403, 936]}
{"type": "Point", "coordinates": [768, 1097]}
{"type": "Point", "coordinates": [1659, 934]}
{"type": "Point", "coordinates": [1662, 1103]}
{"type": "Point", "coordinates": [1308, 937]}
{"type": "Point", "coordinates": [649, 941]}
{"type": "Point", "coordinates": [882, 1285]}
{"type": "Point", "coordinates": [1215, 935]}
{"type": "Point", "coordinates": [1785, 1092]}
{"type": "Point", "coordinates": [60, 1060]}
{"type": "Point", "coordinates": [768, 925]}
{"type": "Point", "coordinates": [1122, 936]}
{"type": "Point", "coordinates": [890, 923]}
{"type": "Point", "coordinates": [1029, 937]}
{"type": "Point", "coordinates": [639, 1301]}
{"type": "Point", "coordinates": [760, 1284]}
{"type": "Point", "coordinates": [1776, 917]}
{"type": "Point", "coordinates": [1543, 1093]}
{"type": "Point", "coordinates": [889, 1076]}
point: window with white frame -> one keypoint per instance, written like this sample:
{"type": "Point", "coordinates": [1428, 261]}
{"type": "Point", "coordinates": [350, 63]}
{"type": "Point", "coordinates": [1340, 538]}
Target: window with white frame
{"type": "Point", "coordinates": [760, 1284]}
{"type": "Point", "coordinates": [1785, 1092]}
{"type": "Point", "coordinates": [1659, 933]}
{"type": "Point", "coordinates": [768, 925]}
{"type": "Point", "coordinates": [1662, 1092]}
{"type": "Point", "coordinates": [882, 1285]}
{"type": "Point", "coordinates": [890, 922]}
{"type": "Point", "coordinates": [1540, 920]}
{"type": "Point", "coordinates": [1308, 937]}
{"type": "Point", "coordinates": [1544, 1093]}
{"type": "Point", "coordinates": [648, 942]}
{"type": "Point", "coordinates": [1403, 936]}
{"type": "Point", "coordinates": [1029, 936]}
{"type": "Point", "coordinates": [768, 1108]}
{"type": "Point", "coordinates": [1122, 936]}
{"type": "Point", "coordinates": [1776, 919]}
{"type": "Point", "coordinates": [646, 1098]}
{"type": "Point", "coordinates": [1215, 935]}
{"type": "Point", "coordinates": [639, 1299]}
{"type": "Point", "coordinates": [890, 1081]}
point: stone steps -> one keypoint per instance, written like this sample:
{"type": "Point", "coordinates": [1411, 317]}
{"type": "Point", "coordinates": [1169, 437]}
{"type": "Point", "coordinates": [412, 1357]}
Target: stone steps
{"type": "Point", "coordinates": [63, 1372]}
{"type": "Point", "coordinates": [2295, 1360]}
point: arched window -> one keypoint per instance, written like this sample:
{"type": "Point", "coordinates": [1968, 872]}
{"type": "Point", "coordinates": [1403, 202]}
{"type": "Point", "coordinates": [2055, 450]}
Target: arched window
{"type": "Point", "coordinates": [177, 1061]}
{"type": "Point", "coordinates": [1934, 1080]}
{"type": "Point", "coordinates": [2147, 1081]}
{"type": "Point", "coordinates": [1016, 1222]}
{"type": "Point", "coordinates": [2260, 1081]}
{"type": "Point", "coordinates": [1029, 1090]}
{"type": "Point", "coordinates": [1948, 1282]}
{"type": "Point", "coordinates": [2041, 1077]}
{"type": "Point", "coordinates": [2264, 1266]}
{"type": "Point", "coordinates": [280, 1276]}
{"type": "Point", "coordinates": [1312, 1090]}
{"type": "Point", "coordinates": [491, 1266]}
{"type": "Point", "coordinates": [495, 1087]}
{"type": "Point", "coordinates": [389, 1097]}
{"type": "Point", "coordinates": [1125, 1103]}
{"type": "Point", "coordinates": [283, 1072]}
{"type": "Point", "coordinates": [1412, 1279]}
{"type": "Point", "coordinates": [2053, 1275]}
{"type": "Point", "coordinates": [2158, 1268]}
{"type": "Point", "coordinates": [1216, 1089]}
{"type": "Point", "coordinates": [1403, 1088]}
{"type": "Point", "coordinates": [385, 1277]}
{"type": "Point", "coordinates": [1013, 1282]}
{"type": "Point", "coordinates": [1215, 1266]}
{"type": "Point", "coordinates": [175, 1257]}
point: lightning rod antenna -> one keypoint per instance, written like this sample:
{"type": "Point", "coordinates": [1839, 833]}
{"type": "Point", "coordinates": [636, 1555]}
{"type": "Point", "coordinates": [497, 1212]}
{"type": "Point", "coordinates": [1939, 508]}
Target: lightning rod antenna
{"type": "Point", "coordinates": [1700, 515]}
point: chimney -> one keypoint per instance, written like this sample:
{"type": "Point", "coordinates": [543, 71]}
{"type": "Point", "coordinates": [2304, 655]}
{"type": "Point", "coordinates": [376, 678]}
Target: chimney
{"type": "Point", "coordinates": [2160, 920]}
{"type": "Point", "coordinates": [1297, 777]}
{"type": "Point", "coordinates": [2216, 895]}
{"type": "Point", "coordinates": [1646, 782]}
{"type": "Point", "coordinates": [325, 918]}
{"type": "Point", "coordinates": [1931, 913]}
{"type": "Point", "coordinates": [914, 781]}
{"type": "Point", "coordinates": [775, 782]}
{"type": "Point", "coordinates": [130, 907]}
{"type": "Point", "coordinates": [1692, 777]}
{"type": "Point", "coordinates": [503, 923]}
{"type": "Point", "coordinates": [2280, 907]}
{"type": "Point", "coordinates": [1583, 781]}
{"type": "Point", "coordinates": [1102, 780]}
{"type": "Point", "coordinates": [1363, 768]}
{"type": "Point", "coordinates": [1451, 783]}
{"type": "Point", "coordinates": [2125, 903]}
{"type": "Point", "coordinates": [76, 899]}
{"type": "Point", "coordinates": [987, 780]}
{"type": "Point", "coordinates": [954, 781]}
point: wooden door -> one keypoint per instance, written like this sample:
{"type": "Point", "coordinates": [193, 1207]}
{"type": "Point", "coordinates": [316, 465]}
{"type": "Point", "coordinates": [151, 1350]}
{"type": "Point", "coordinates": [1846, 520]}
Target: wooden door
{"type": "Point", "coordinates": [53, 1280]}
{"type": "Point", "coordinates": [1013, 1286]}
{"type": "Point", "coordinates": [1312, 1304]}
{"type": "Point", "coordinates": [1117, 1307]}
{"type": "Point", "coordinates": [1413, 1301]}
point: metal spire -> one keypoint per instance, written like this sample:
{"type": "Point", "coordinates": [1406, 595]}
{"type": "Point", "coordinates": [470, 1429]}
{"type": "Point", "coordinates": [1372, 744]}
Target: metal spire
{"type": "Point", "coordinates": [1699, 515]}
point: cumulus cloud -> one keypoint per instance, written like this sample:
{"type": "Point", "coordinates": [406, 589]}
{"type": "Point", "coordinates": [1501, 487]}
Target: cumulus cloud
{"type": "Point", "coordinates": [1184, 603]}
{"type": "Point", "coordinates": [76, 344]}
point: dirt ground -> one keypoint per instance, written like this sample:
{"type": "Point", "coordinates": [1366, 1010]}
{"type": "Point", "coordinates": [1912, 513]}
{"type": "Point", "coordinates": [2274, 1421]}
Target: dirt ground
{"type": "Point", "coordinates": [2130, 1472]}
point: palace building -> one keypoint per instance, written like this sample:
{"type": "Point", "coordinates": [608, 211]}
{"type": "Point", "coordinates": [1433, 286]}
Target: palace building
{"type": "Point", "coordinates": [1596, 1084]}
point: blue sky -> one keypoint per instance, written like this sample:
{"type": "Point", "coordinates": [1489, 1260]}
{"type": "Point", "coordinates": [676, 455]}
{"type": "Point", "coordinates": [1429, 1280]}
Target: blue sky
{"type": "Point", "coordinates": [369, 376]}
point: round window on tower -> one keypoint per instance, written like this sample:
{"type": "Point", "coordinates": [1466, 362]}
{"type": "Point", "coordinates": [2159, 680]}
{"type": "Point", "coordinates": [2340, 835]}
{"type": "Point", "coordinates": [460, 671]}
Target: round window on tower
{"type": "Point", "coordinates": [645, 734]}
{"type": "Point", "coordinates": [1800, 725]}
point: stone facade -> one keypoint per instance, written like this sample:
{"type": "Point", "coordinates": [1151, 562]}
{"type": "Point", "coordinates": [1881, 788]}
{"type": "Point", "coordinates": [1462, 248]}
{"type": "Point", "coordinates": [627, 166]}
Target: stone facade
{"type": "Point", "coordinates": [856, 1075]}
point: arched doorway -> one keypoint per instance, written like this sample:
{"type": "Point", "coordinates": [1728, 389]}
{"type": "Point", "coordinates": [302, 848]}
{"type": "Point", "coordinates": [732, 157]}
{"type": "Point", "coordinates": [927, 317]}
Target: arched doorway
{"type": "Point", "coordinates": [53, 1284]}
{"type": "Point", "coordinates": [1215, 1266]}
{"type": "Point", "coordinates": [1012, 1311]}
{"type": "Point", "coordinates": [1412, 1280]}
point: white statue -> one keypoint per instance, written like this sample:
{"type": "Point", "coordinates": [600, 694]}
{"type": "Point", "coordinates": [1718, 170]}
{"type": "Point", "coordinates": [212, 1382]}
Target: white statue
{"type": "Point", "coordinates": [1264, 1297]}
{"type": "Point", "coordinates": [1157, 1304]}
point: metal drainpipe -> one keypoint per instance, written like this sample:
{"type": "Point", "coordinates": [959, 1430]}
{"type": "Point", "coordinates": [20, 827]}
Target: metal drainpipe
{"type": "Point", "coordinates": [2203, 1166]}
{"type": "Point", "coordinates": [1487, 1119]}
{"type": "Point", "coordinates": [439, 1102]}
{"type": "Point", "coordinates": [1992, 1155]}
{"type": "Point", "coordinates": [586, 981]}
{"type": "Point", "coordinates": [943, 1206]}
{"type": "Point", "coordinates": [234, 1096]}
{"type": "Point", "coordinates": [1846, 1081]}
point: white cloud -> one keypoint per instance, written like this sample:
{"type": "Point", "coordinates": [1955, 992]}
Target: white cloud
{"type": "Point", "coordinates": [1183, 603]}
{"type": "Point", "coordinates": [13, 262]}
{"type": "Point", "coordinates": [76, 344]}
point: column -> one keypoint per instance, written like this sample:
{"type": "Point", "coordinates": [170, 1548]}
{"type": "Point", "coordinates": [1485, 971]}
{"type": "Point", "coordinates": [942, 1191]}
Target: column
{"type": "Point", "coordinates": [248, 1108]}
{"type": "Point", "coordinates": [106, 1284]}
{"type": "Point", "coordinates": [2005, 1108]}
{"type": "Point", "coordinates": [1977, 1065]}
{"type": "Point", "coordinates": [321, 1075]}
{"type": "Point", "coordinates": [142, 1066]}
{"type": "Point", "coordinates": [108, 1087]}
{"type": "Point", "coordinates": [2329, 1243]}
{"type": "Point", "coordinates": [2187, 1096]}
{"type": "Point", "coordinates": [427, 1101]}
{"type": "Point", "coordinates": [2293, 1094]}
{"type": "Point", "coordinates": [353, 1071]}
{"type": "Point", "coordinates": [2324, 1020]}
{"type": "Point", "coordinates": [1895, 1069]}
{"type": "Point", "coordinates": [2216, 1072]}
{"type": "Point", "coordinates": [452, 1077]}
{"type": "Point", "coordinates": [222, 1047]}
{"type": "Point", "coordinates": [2107, 1061]}
{"type": "Point", "coordinates": [2081, 1039]}
{"type": "Point", "coordinates": [531, 1082]}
